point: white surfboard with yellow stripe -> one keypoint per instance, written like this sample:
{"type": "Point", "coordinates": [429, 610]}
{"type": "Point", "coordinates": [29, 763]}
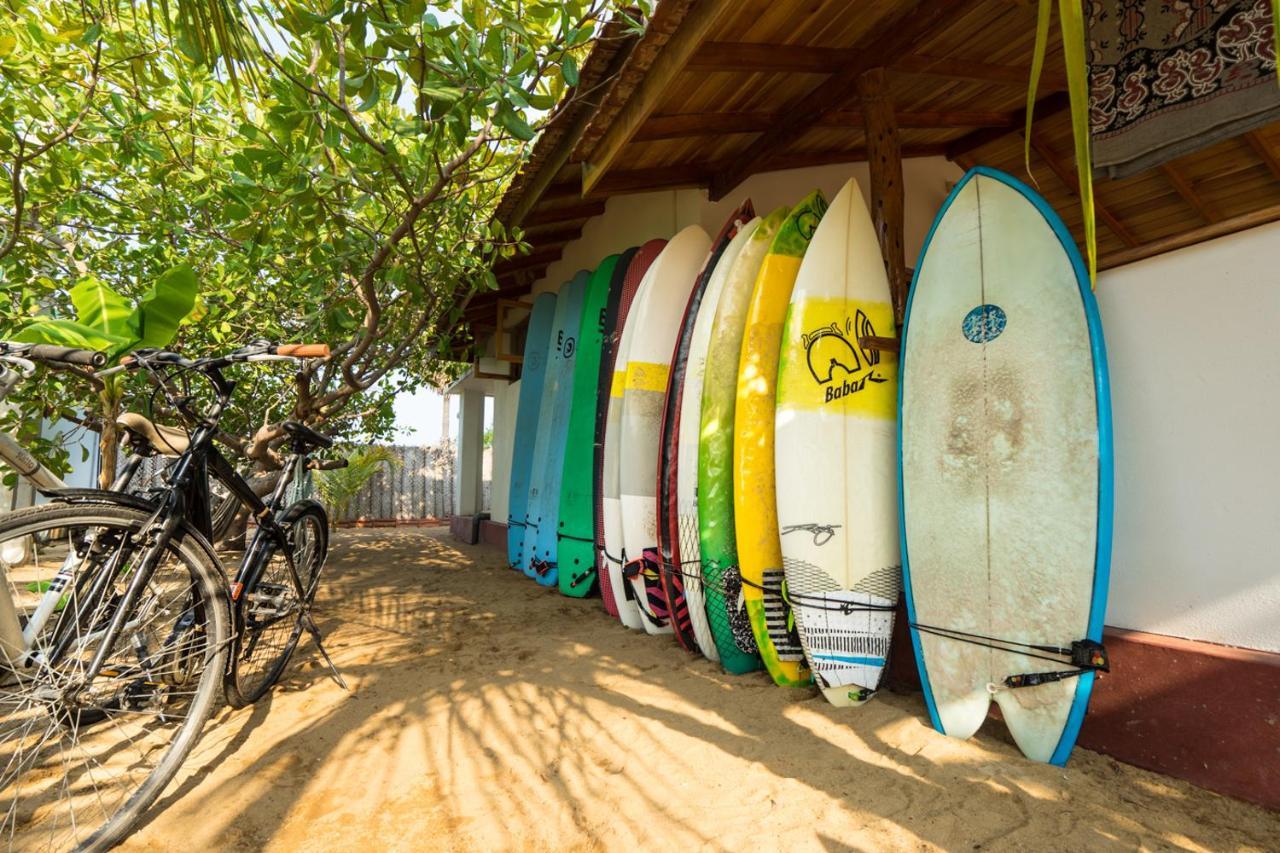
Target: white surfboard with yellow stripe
{"type": "Point", "coordinates": [835, 453]}
{"type": "Point", "coordinates": [652, 327]}
{"type": "Point", "coordinates": [611, 501]}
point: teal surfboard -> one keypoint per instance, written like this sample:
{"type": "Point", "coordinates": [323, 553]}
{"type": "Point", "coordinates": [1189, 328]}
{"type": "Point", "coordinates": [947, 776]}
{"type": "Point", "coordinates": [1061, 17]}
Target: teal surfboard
{"type": "Point", "coordinates": [575, 557]}
{"type": "Point", "coordinates": [553, 426]}
{"type": "Point", "coordinates": [528, 406]}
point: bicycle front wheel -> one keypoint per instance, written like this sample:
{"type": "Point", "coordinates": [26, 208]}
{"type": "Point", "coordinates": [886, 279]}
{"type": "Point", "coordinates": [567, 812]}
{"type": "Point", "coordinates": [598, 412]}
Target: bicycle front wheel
{"type": "Point", "coordinates": [81, 758]}
{"type": "Point", "coordinates": [270, 616]}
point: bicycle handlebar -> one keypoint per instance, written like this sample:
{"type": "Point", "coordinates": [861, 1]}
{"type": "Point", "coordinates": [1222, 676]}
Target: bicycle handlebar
{"type": "Point", "coordinates": [53, 354]}
{"type": "Point", "coordinates": [303, 350]}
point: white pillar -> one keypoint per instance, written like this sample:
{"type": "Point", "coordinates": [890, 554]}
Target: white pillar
{"type": "Point", "coordinates": [470, 467]}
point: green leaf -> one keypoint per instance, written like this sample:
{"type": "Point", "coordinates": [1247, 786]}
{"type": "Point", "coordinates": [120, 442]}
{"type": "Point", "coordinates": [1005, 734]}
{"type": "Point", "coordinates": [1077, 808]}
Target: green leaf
{"type": "Point", "coordinates": [511, 121]}
{"type": "Point", "coordinates": [69, 333]}
{"type": "Point", "coordinates": [161, 310]}
{"type": "Point", "coordinates": [569, 70]}
{"type": "Point", "coordinates": [101, 308]}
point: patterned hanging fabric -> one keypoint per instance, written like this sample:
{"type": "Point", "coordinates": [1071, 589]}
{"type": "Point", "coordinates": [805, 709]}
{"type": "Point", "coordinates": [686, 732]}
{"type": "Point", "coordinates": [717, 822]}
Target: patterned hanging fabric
{"type": "Point", "coordinates": [1172, 77]}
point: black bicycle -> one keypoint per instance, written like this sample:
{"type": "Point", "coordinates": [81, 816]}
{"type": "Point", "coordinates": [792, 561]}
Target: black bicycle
{"type": "Point", "coordinates": [117, 633]}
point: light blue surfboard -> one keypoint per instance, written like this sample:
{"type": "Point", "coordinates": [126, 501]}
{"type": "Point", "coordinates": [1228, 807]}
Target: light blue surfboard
{"type": "Point", "coordinates": [1005, 460]}
{"type": "Point", "coordinates": [553, 427]}
{"type": "Point", "coordinates": [528, 407]}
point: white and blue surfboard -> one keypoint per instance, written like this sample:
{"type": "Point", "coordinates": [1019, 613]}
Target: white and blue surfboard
{"type": "Point", "coordinates": [553, 429]}
{"type": "Point", "coordinates": [533, 372]}
{"type": "Point", "coordinates": [1005, 465]}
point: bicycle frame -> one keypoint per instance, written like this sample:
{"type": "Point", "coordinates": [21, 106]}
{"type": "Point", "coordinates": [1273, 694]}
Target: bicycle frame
{"type": "Point", "coordinates": [14, 369]}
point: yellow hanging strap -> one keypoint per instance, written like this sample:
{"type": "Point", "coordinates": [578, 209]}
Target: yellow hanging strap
{"type": "Point", "coordinates": [1073, 50]}
{"type": "Point", "coordinates": [1071, 15]}
{"type": "Point", "coordinates": [1037, 66]}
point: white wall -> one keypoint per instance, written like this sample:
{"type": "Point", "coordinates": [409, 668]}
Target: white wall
{"type": "Point", "coordinates": [505, 400]}
{"type": "Point", "coordinates": [1195, 369]}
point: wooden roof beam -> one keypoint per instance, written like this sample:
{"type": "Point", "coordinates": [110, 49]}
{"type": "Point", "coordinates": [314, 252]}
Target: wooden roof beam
{"type": "Point", "coordinates": [1189, 238]}
{"type": "Point", "coordinates": [1183, 187]}
{"type": "Point", "coordinates": [653, 88]}
{"type": "Point", "coordinates": [1069, 180]}
{"type": "Point", "coordinates": [796, 58]}
{"type": "Point", "coordinates": [686, 125]}
{"type": "Point", "coordinates": [891, 38]}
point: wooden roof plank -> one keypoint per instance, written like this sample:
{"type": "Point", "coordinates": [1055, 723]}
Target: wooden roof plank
{"type": "Point", "coordinates": [978, 72]}
{"type": "Point", "coordinates": [1046, 107]}
{"type": "Point", "coordinates": [890, 38]}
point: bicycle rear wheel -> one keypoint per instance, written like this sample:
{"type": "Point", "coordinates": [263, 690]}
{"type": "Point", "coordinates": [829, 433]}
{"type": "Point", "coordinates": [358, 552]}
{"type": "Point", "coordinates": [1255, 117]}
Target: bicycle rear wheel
{"type": "Point", "coordinates": [270, 616]}
{"type": "Point", "coordinates": [80, 758]}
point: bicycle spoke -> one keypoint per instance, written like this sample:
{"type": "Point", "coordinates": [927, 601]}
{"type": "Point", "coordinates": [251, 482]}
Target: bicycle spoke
{"type": "Point", "coordinates": [75, 750]}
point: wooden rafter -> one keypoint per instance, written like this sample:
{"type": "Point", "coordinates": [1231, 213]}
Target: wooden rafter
{"type": "Point", "coordinates": [652, 89]}
{"type": "Point", "coordinates": [1069, 180]}
{"type": "Point", "coordinates": [541, 257]}
{"type": "Point", "coordinates": [1183, 187]}
{"type": "Point", "coordinates": [891, 38]}
{"type": "Point", "coordinates": [1265, 153]}
{"type": "Point", "coordinates": [717, 124]}
{"type": "Point", "coordinates": [585, 210]}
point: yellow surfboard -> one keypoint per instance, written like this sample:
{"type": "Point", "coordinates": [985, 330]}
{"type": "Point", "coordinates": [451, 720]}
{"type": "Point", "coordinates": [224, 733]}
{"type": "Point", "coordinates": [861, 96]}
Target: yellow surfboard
{"type": "Point", "coordinates": [754, 497]}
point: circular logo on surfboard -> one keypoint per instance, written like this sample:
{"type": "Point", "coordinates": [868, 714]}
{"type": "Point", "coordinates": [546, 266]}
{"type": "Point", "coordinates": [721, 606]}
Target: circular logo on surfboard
{"type": "Point", "coordinates": [984, 323]}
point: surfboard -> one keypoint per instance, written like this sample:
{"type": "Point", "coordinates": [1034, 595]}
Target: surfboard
{"type": "Point", "coordinates": [722, 585]}
{"type": "Point", "coordinates": [681, 574]}
{"type": "Point", "coordinates": [652, 328]}
{"type": "Point", "coordinates": [836, 455]}
{"type": "Point", "coordinates": [674, 574]}
{"type": "Point", "coordinates": [1006, 468]}
{"type": "Point", "coordinates": [755, 507]}
{"type": "Point", "coordinates": [575, 555]}
{"type": "Point", "coordinates": [533, 371]}
{"type": "Point", "coordinates": [548, 463]}
{"type": "Point", "coordinates": [611, 547]}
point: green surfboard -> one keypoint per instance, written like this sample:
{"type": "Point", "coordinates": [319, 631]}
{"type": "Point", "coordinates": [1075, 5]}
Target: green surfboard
{"type": "Point", "coordinates": [722, 583]}
{"type": "Point", "coordinates": [576, 557]}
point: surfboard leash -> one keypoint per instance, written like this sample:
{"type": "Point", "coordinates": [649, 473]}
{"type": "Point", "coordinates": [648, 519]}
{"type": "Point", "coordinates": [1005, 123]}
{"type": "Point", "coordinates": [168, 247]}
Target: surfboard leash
{"type": "Point", "coordinates": [1086, 655]}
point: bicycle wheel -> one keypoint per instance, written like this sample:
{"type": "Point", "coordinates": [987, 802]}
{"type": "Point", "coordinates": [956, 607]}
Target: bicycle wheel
{"type": "Point", "coordinates": [80, 758]}
{"type": "Point", "coordinates": [270, 616]}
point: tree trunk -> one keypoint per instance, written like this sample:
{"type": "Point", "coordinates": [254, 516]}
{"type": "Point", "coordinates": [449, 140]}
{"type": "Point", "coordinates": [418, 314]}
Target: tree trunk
{"type": "Point", "coordinates": [108, 439]}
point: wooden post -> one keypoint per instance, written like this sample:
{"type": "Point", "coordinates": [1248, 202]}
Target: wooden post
{"type": "Point", "coordinates": [884, 156]}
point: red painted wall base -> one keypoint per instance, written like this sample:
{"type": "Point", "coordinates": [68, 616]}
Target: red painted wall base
{"type": "Point", "coordinates": [493, 533]}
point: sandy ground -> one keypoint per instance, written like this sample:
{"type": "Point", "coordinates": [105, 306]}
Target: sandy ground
{"type": "Point", "coordinates": [488, 713]}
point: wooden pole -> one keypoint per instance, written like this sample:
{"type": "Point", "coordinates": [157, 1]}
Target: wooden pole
{"type": "Point", "coordinates": [884, 156]}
